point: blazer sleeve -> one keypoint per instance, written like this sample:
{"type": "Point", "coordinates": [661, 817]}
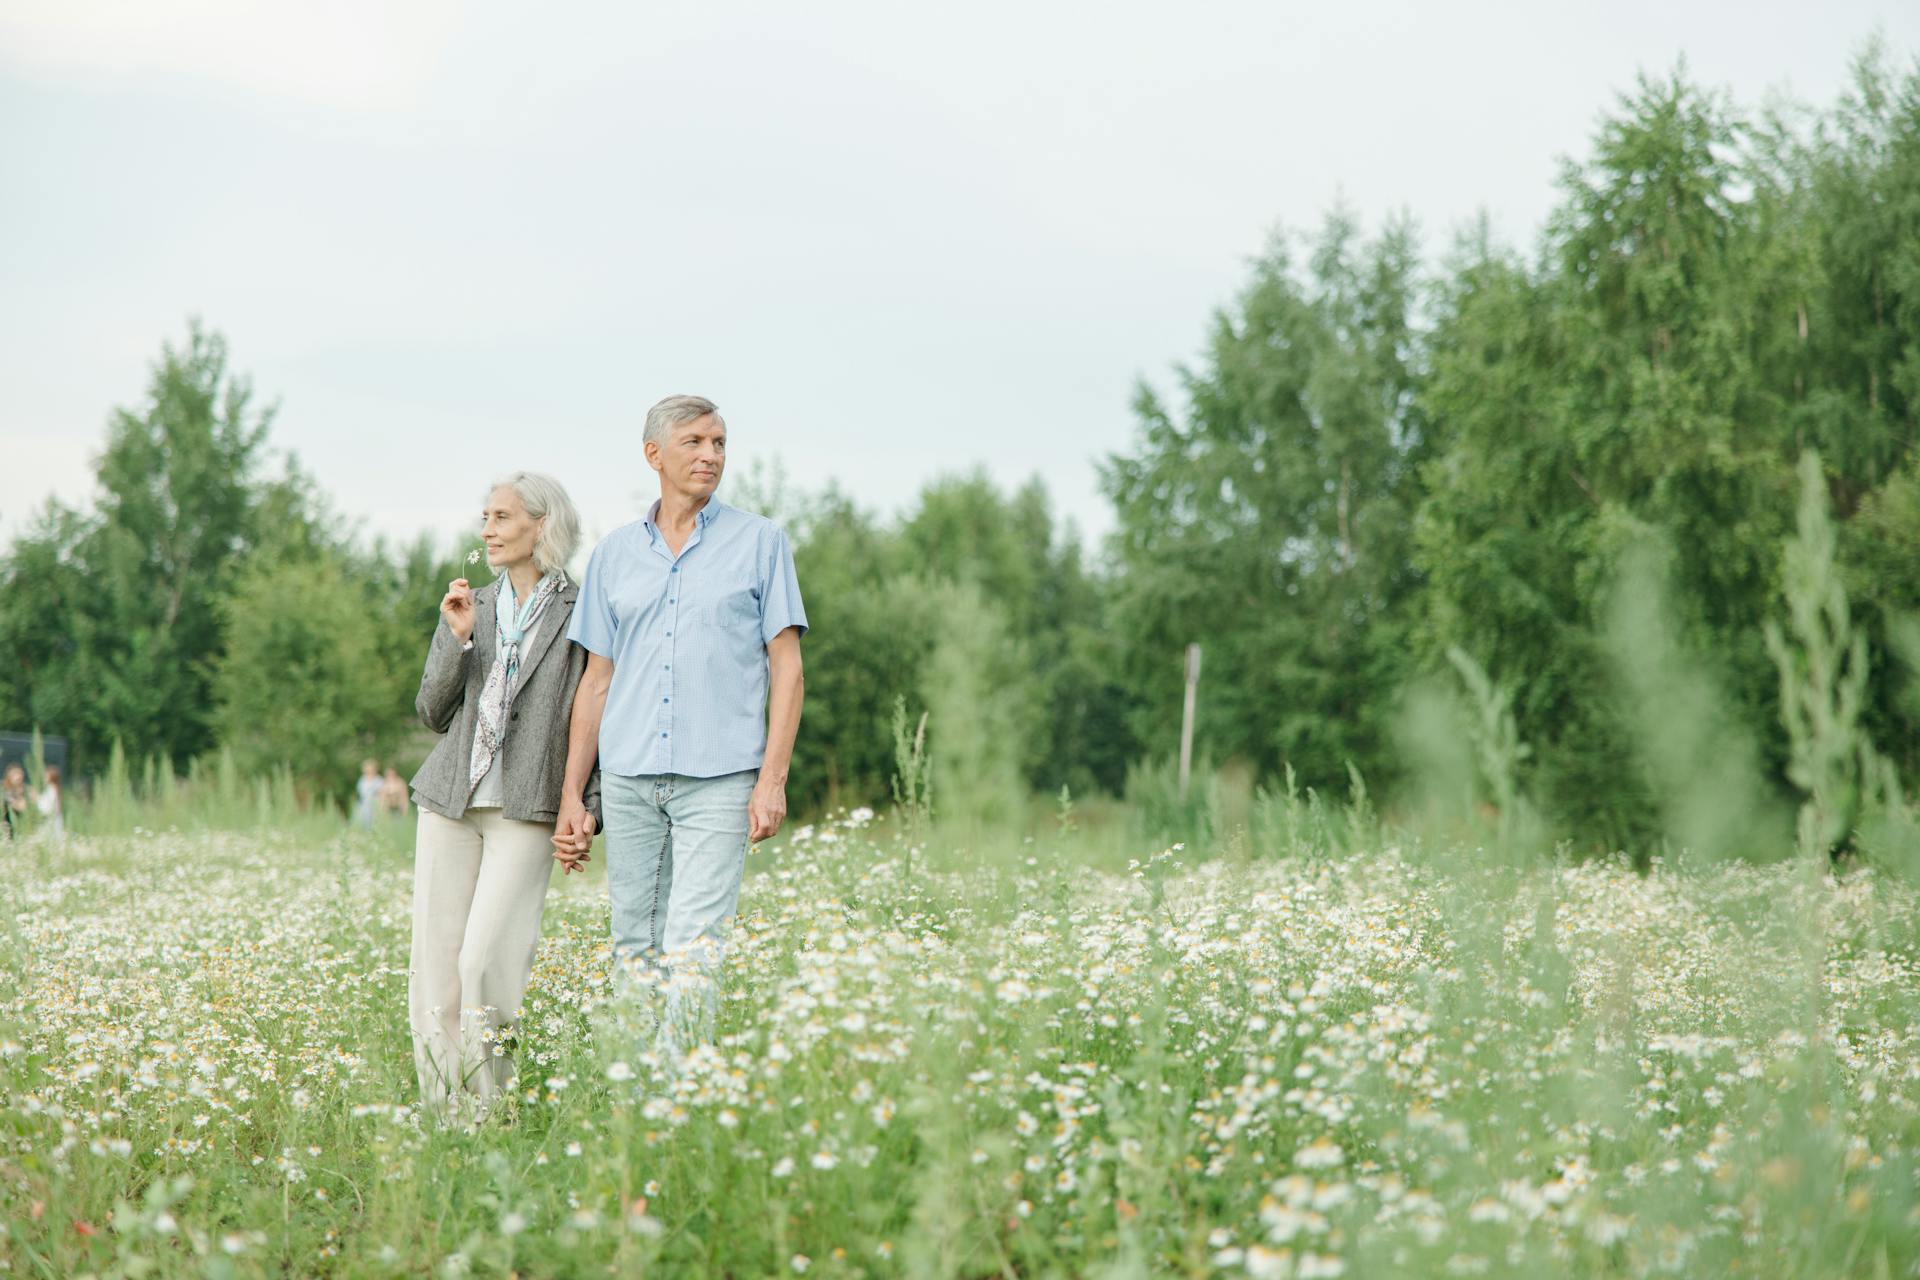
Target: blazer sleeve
{"type": "Point", "coordinates": [443, 685]}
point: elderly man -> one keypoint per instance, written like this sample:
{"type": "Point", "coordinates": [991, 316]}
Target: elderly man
{"type": "Point", "coordinates": [691, 619]}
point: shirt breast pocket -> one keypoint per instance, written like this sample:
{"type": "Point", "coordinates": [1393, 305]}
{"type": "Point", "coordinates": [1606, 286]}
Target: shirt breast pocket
{"type": "Point", "coordinates": [733, 604]}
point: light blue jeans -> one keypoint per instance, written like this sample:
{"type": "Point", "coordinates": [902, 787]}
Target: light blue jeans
{"type": "Point", "coordinates": [676, 849]}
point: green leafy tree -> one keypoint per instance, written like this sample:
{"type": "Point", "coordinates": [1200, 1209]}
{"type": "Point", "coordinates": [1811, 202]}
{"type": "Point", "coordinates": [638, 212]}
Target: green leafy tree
{"type": "Point", "coordinates": [874, 593]}
{"type": "Point", "coordinates": [1854, 182]}
{"type": "Point", "coordinates": [402, 585]}
{"type": "Point", "coordinates": [1272, 523]}
{"type": "Point", "coordinates": [113, 618]}
{"type": "Point", "coordinates": [866, 639]}
{"type": "Point", "coordinates": [1883, 579]}
{"type": "Point", "coordinates": [303, 681]}
{"type": "Point", "coordinates": [1614, 391]}
{"type": "Point", "coordinates": [1860, 171]}
{"type": "Point", "coordinates": [963, 529]}
{"type": "Point", "coordinates": [978, 687]}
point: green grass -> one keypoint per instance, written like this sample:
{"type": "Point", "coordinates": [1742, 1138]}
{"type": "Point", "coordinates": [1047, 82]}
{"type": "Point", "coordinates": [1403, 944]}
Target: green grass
{"type": "Point", "coordinates": [1023, 1058]}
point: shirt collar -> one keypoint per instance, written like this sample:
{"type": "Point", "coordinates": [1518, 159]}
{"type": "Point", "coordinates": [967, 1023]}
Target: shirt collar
{"type": "Point", "coordinates": [702, 518]}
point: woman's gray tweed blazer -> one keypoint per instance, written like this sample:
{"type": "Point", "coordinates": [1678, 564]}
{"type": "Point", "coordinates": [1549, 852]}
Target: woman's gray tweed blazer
{"type": "Point", "coordinates": [535, 751]}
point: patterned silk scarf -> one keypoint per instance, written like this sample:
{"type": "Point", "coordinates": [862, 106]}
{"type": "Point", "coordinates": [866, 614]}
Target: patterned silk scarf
{"type": "Point", "coordinates": [503, 679]}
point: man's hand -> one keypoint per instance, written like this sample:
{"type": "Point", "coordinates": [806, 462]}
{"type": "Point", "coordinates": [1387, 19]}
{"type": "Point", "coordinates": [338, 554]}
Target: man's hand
{"type": "Point", "coordinates": [572, 835]}
{"type": "Point", "coordinates": [766, 810]}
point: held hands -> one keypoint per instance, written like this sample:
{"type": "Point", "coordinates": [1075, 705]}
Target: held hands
{"type": "Point", "coordinates": [573, 836]}
{"type": "Point", "coordinates": [457, 608]}
{"type": "Point", "coordinates": [573, 831]}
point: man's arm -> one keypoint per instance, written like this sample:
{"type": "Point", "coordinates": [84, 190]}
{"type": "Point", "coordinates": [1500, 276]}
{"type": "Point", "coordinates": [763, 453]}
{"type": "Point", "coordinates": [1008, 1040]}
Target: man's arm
{"type": "Point", "coordinates": [573, 832]}
{"type": "Point", "coordinates": [785, 688]}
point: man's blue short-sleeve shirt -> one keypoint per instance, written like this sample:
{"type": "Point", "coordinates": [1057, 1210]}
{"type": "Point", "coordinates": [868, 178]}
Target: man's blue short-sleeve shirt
{"type": "Point", "coordinates": [688, 638]}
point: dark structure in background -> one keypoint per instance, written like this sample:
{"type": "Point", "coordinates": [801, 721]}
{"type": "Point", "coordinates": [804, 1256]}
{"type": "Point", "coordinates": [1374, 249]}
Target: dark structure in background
{"type": "Point", "coordinates": [17, 748]}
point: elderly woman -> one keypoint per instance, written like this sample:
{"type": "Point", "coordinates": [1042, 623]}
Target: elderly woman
{"type": "Point", "coordinates": [499, 683]}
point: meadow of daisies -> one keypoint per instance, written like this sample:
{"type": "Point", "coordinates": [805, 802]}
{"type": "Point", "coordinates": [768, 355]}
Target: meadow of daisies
{"type": "Point", "coordinates": [1024, 1060]}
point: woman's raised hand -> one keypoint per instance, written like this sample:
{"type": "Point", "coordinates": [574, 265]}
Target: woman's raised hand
{"type": "Point", "coordinates": [457, 608]}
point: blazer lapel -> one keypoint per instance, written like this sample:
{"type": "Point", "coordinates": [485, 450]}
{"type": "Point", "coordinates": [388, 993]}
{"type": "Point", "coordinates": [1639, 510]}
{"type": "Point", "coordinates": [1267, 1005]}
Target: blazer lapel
{"type": "Point", "coordinates": [552, 625]}
{"type": "Point", "coordinates": [484, 625]}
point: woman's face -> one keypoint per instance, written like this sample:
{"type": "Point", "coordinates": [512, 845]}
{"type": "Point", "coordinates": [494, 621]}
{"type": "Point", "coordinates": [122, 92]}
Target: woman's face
{"type": "Point", "coordinates": [508, 530]}
{"type": "Point", "coordinates": [16, 777]}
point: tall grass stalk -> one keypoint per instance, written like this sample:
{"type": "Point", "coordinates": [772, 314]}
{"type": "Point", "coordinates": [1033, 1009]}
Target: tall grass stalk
{"type": "Point", "coordinates": [1700, 764]}
{"type": "Point", "coordinates": [213, 796]}
{"type": "Point", "coordinates": [912, 774]}
{"type": "Point", "coordinates": [1497, 749]}
{"type": "Point", "coordinates": [1823, 669]}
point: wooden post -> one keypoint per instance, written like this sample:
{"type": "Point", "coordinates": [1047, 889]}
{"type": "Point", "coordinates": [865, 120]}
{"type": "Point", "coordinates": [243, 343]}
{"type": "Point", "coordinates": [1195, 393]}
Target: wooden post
{"type": "Point", "coordinates": [1186, 718]}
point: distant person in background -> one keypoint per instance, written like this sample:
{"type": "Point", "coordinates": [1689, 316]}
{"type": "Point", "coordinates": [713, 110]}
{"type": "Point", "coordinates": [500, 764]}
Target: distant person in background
{"type": "Point", "coordinates": [13, 791]}
{"type": "Point", "coordinates": [393, 794]}
{"type": "Point", "coordinates": [13, 799]}
{"type": "Point", "coordinates": [366, 792]}
{"type": "Point", "coordinates": [53, 805]}
{"type": "Point", "coordinates": [499, 681]}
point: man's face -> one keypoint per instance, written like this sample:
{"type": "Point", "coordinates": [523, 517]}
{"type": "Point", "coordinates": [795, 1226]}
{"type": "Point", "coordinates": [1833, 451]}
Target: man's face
{"type": "Point", "coordinates": [693, 457]}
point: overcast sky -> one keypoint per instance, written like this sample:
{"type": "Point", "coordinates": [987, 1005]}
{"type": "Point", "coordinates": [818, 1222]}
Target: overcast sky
{"type": "Point", "coordinates": [891, 241]}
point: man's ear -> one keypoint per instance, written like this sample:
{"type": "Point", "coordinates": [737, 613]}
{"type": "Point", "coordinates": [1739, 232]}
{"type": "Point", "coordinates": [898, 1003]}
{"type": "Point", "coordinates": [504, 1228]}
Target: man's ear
{"type": "Point", "coordinates": [652, 452]}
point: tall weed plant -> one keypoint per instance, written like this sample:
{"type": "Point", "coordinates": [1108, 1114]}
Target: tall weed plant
{"type": "Point", "coordinates": [214, 795]}
{"type": "Point", "coordinates": [1701, 765]}
{"type": "Point", "coordinates": [1822, 661]}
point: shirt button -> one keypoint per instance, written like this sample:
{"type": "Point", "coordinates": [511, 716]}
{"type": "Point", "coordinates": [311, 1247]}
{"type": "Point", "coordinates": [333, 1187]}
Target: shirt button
{"type": "Point", "coordinates": [669, 633]}
{"type": "Point", "coordinates": [663, 699]}
{"type": "Point", "coordinates": [663, 735]}
{"type": "Point", "coordinates": [675, 569]}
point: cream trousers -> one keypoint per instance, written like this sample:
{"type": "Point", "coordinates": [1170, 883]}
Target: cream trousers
{"type": "Point", "coordinates": [479, 884]}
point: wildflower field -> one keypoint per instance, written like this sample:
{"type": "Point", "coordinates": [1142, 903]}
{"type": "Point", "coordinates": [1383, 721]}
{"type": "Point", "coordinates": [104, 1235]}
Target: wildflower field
{"type": "Point", "coordinates": [1017, 1061]}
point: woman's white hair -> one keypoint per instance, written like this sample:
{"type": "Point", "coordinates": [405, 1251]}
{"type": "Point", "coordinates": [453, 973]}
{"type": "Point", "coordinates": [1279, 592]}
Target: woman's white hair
{"type": "Point", "coordinates": [543, 498]}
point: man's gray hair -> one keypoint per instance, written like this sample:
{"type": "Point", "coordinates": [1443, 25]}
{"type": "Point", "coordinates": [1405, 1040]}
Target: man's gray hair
{"type": "Point", "coordinates": [675, 411]}
{"type": "Point", "coordinates": [542, 496]}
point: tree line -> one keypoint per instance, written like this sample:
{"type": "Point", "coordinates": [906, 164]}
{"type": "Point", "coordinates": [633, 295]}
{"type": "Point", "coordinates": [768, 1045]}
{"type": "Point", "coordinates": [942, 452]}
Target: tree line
{"type": "Point", "coordinates": [1378, 464]}
{"type": "Point", "coordinates": [1564, 471]}
{"type": "Point", "coordinates": [210, 598]}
